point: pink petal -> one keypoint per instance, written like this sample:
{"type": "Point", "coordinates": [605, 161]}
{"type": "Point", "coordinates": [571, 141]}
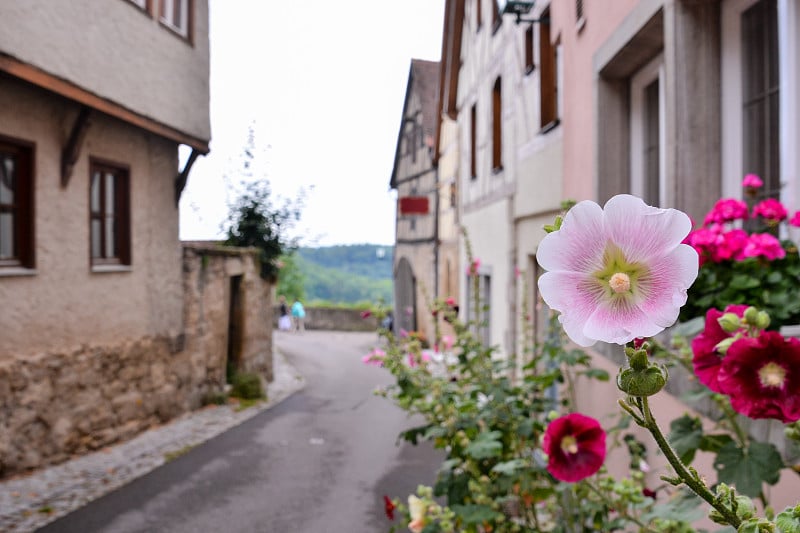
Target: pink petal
{"type": "Point", "coordinates": [579, 245]}
{"type": "Point", "coordinates": [664, 288]}
{"type": "Point", "coordinates": [642, 231]}
{"type": "Point", "coordinates": [572, 291]}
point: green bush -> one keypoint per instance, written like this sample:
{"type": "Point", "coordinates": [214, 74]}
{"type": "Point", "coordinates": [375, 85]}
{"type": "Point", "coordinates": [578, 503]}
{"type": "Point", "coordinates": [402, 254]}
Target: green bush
{"type": "Point", "coordinates": [247, 386]}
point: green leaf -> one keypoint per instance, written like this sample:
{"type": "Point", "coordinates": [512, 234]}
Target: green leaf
{"type": "Point", "coordinates": [714, 443]}
{"type": "Point", "coordinates": [595, 373]}
{"type": "Point", "coordinates": [486, 445]}
{"type": "Point", "coordinates": [788, 521]}
{"type": "Point", "coordinates": [741, 281]}
{"type": "Point", "coordinates": [747, 468]}
{"type": "Point", "coordinates": [685, 436]}
{"type": "Point", "coordinates": [509, 468]}
{"type": "Point", "coordinates": [475, 514]}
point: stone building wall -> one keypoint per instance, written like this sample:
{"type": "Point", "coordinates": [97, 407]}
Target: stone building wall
{"type": "Point", "coordinates": [60, 403]}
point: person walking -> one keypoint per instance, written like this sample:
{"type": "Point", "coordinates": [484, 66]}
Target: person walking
{"type": "Point", "coordinates": [285, 321]}
{"type": "Point", "coordinates": [298, 316]}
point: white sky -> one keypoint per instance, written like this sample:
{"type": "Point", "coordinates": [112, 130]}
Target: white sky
{"type": "Point", "coordinates": [323, 84]}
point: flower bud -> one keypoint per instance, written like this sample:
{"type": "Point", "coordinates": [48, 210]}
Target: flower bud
{"type": "Point", "coordinates": [751, 315]}
{"type": "Point", "coordinates": [762, 320]}
{"type": "Point", "coordinates": [729, 322]}
{"type": "Point", "coordinates": [638, 360]}
{"type": "Point", "coordinates": [722, 346]}
{"type": "Point", "coordinates": [643, 382]}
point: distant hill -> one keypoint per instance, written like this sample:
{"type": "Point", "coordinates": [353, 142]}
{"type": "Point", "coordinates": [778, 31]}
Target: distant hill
{"type": "Point", "coordinates": [347, 273]}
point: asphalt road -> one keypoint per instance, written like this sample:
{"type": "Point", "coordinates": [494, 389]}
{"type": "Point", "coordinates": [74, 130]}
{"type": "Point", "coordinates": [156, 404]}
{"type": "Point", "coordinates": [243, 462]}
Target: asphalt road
{"type": "Point", "coordinates": [318, 462]}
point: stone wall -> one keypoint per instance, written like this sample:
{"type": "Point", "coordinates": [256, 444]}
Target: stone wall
{"type": "Point", "coordinates": [334, 319]}
{"type": "Point", "coordinates": [58, 403]}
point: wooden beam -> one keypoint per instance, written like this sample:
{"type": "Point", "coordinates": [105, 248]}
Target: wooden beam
{"type": "Point", "coordinates": [72, 150]}
{"type": "Point", "coordinates": [183, 176]}
{"type": "Point", "coordinates": [69, 90]}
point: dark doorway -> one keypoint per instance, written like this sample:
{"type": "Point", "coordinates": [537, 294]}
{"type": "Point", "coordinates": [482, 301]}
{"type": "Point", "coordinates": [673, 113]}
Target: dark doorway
{"type": "Point", "coordinates": [235, 323]}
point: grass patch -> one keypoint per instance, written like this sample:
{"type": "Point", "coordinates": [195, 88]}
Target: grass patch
{"type": "Point", "coordinates": [45, 509]}
{"type": "Point", "coordinates": [171, 456]}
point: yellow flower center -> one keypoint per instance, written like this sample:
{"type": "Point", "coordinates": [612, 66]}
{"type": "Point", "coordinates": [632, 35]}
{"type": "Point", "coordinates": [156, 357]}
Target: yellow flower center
{"type": "Point", "coordinates": [772, 375]}
{"type": "Point", "coordinates": [569, 445]}
{"type": "Point", "coordinates": [620, 282]}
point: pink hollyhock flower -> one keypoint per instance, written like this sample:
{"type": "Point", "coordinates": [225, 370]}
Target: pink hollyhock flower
{"type": "Point", "coordinates": [619, 272]}
{"type": "Point", "coordinates": [752, 180]}
{"type": "Point", "coordinates": [764, 245]}
{"type": "Point", "coordinates": [416, 511]}
{"type": "Point", "coordinates": [762, 376]}
{"type": "Point", "coordinates": [450, 301]}
{"type": "Point", "coordinates": [707, 360]}
{"type": "Point", "coordinates": [366, 314]}
{"type": "Point", "coordinates": [726, 210]}
{"type": "Point", "coordinates": [473, 267]}
{"type": "Point", "coordinates": [770, 209]}
{"type": "Point", "coordinates": [731, 245]}
{"type": "Point", "coordinates": [375, 357]}
{"type": "Point", "coordinates": [413, 361]}
{"type": "Point", "coordinates": [795, 220]}
{"type": "Point", "coordinates": [575, 445]}
{"type": "Point", "coordinates": [447, 340]}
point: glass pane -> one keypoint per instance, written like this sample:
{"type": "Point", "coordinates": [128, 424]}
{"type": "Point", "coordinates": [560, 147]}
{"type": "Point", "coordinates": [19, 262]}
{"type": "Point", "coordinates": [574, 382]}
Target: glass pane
{"type": "Point", "coordinates": [109, 199]}
{"type": "Point", "coordinates": [6, 179]}
{"type": "Point", "coordinates": [95, 194]}
{"type": "Point", "coordinates": [652, 144]}
{"type": "Point", "coordinates": [96, 235]}
{"type": "Point", "coordinates": [111, 249]}
{"type": "Point", "coordinates": [753, 33]}
{"type": "Point", "coordinates": [773, 142]}
{"type": "Point", "coordinates": [6, 236]}
{"type": "Point", "coordinates": [753, 131]}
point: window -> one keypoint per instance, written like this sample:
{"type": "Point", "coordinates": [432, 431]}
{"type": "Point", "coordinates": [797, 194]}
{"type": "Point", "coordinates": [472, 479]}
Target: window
{"type": "Point", "coordinates": [473, 142]}
{"type": "Point", "coordinates": [578, 10]}
{"type": "Point", "coordinates": [646, 131]}
{"type": "Point", "coordinates": [175, 14]}
{"type": "Point", "coordinates": [496, 18]}
{"type": "Point", "coordinates": [141, 3]}
{"type": "Point", "coordinates": [479, 323]}
{"type": "Point", "coordinates": [16, 204]}
{"type": "Point", "coordinates": [497, 126]}
{"type": "Point", "coordinates": [760, 93]}
{"type": "Point", "coordinates": [478, 15]}
{"type": "Point", "coordinates": [109, 214]}
{"type": "Point", "coordinates": [548, 73]}
{"type": "Point", "coordinates": [529, 65]}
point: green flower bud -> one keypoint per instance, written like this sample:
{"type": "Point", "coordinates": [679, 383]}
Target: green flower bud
{"type": "Point", "coordinates": [730, 322]}
{"type": "Point", "coordinates": [762, 320]}
{"type": "Point", "coordinates": [644, 382]}
{"type": "Point", "coordinates": [722, 346]}
{"type": "Point", "coordinates": [638, 360]}
{"type": "Point", "coordinates": [751, 315]}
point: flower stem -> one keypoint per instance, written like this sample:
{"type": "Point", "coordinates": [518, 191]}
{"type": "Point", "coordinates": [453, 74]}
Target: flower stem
{"type": "Point", "coordinates": [620, 510]}
{"type": "Point", "coordinates": [725, 405]}
{"type": "Point", "coordinates": [689, 479]}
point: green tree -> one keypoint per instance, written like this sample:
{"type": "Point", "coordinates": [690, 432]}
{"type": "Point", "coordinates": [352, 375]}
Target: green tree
{"type": "Point", "coordinates": [257, 219]}
{"type": "Point", "coordinates": [291, 281]}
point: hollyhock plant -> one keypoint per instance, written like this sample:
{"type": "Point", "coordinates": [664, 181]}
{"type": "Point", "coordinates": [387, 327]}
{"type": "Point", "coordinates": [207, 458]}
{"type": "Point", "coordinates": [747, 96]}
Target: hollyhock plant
{"type": "Point", "coordinates": [707, 359]}
{"type": "Point", "coordinates": [618, 272]}
{"type": "Point", "coordinates": [726, 210]}
{"type": "Point", "coordinates": [795, 220]}
{"type": "Point", "coordinates": [764, 245]}
{"type": "Point", "coordinates": [761, 375]}
{"type": "Point", "coordinates": [388, 507]}
{"type": "Point", "coordinates": [375, 357]}
{"type": "Point", "coordinates": [575, 445]}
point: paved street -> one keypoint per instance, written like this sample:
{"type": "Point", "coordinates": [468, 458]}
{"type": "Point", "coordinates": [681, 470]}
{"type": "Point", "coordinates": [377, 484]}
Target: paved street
{"type": "Point", "coordinates": [318, 462]}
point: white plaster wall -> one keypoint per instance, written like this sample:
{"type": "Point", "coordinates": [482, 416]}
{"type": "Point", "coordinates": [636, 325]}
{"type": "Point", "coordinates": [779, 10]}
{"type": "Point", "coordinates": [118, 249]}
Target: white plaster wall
{"type": "Point", "coordinates": [63, 303]}
{"type": "Point", "coordinates": [115, 50]}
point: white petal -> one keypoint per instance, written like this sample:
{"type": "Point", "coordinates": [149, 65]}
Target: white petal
{"type": "Point", "coordinates": [578, 246]}
{"type": "Point", "coordinates": [567, 293]}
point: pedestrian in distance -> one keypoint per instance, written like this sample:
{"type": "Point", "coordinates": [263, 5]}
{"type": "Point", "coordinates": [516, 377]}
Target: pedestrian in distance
{"type": "Point", "coordinates": [298, 316]}
{"type": "Point", "coordinates": [285, 321]}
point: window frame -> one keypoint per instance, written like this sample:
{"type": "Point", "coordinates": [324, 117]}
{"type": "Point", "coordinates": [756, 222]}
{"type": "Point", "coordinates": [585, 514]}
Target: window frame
{"type": "Point", "coordinates": [166, 6]}
{"type": "Point", "coordinates": [473, 142]}
{"type": "Point", "coordinates": [23, 208]}
{"type": "Point", "coordinates": [652, 72]}
{"type": "Point", "coordinates": [548, 77]}
{"type": "Point", "coordinates": [121, 214]}
{"type": "Point", "coordinates": [497, 125]}
{"type": "Point", "coordinates": [530, 63]}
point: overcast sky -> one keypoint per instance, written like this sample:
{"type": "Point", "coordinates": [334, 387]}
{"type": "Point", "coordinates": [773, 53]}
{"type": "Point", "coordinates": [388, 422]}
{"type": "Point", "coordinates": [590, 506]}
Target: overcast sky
{"type": "Point", "coordinates": [323, 85]}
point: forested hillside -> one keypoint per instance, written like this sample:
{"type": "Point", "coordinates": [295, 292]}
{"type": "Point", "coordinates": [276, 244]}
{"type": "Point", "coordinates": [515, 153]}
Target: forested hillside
{"type": "Point", "coordinates": [347, 273]}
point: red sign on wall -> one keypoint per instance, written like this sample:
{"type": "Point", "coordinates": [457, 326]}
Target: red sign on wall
{"type": "Point", "coordinates": [413, 205]}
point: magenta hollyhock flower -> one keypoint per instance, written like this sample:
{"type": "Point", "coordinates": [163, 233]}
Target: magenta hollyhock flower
{"type": "Point", "coordinates": [726, 210]}
{"type": "Point", "coordinates": [762, 376]}
{"type": "Point", "coordinates": [366, 314]}
{"type": "Point", "coordinates": [752, 180]}
{"type": "Point", "coordinates": [473, 267]}
{"type": "Point", "coordinates": [706, 360]}
{"type": "Point", "coordinates": [770, 209]}
{"type": "Point", "coordinates": [705, 242]}
{"type": "Point", "coordinates": [575, 445]}
{"type": "Point", "coordinates": [795, 220]}
{"type": "Point", "coordinates": [388, 507]}
{"type": "Point", "coordinates": [764, 245]}
{"type": "Point", "coordinates": [618, 272]}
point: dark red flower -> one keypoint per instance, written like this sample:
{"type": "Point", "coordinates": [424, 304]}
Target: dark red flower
{"type": "Point", "coordinates": [762, 376]}
{"type": "Point", "coordinates": [706, 359]}
{"type": "Point", "coordinates": [388, 507]}
{"type": "Point", "coordinates": [649, 493]}
{"type": "Point", "coordinates": [366, 314]}
{"type": "Point", "coordinates": [576, 447]}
